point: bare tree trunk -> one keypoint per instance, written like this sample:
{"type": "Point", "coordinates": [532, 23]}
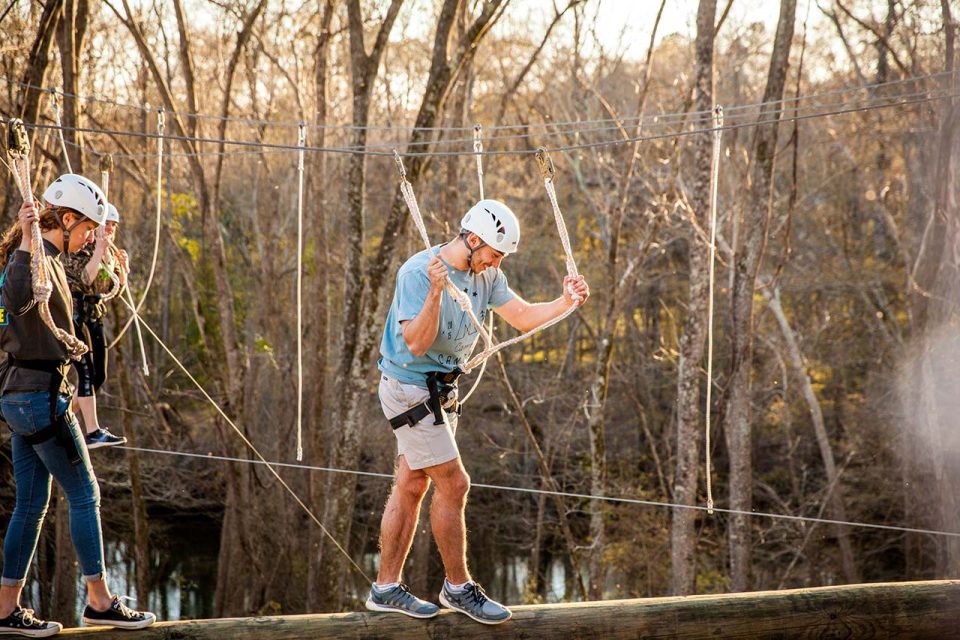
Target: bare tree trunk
{"type": "Point", "coordinates": [835, 501]}
{"type": "Point", "coordinates": [318, 308]}
{"type": "Point", "coordinates": [71, 32]}
{"type": "Point", "coordinates": [363, 291]}
{"type": "Point", "coordinates": [34, 76]}
{"type": "Point", "coordinates": [746, 266]}
{"type": "Point", "coordinates": [682, 534]}
{"type": "Point", "coordinates": [340, 492]}
{"type": "Point", "coordinates": [65, 570]}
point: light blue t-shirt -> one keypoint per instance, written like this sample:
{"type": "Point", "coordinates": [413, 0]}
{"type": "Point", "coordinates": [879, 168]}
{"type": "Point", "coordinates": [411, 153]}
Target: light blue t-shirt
{"type": "Point", "coordinates": [456, 335]}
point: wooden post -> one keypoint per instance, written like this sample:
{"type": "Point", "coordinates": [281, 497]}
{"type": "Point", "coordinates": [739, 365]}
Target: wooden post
{"type": "Point", "coordinates": [890, 610]}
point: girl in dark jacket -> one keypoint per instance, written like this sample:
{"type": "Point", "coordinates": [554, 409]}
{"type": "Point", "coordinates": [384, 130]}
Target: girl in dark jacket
{"type": "Point", "coordinates": [34, 400]}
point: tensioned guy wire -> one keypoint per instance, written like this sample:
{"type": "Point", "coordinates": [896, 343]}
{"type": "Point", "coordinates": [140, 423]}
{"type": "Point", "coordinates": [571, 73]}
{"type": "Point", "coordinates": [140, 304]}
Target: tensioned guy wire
{"type": "Point", "coordinates": [565, 494]}
{"type": "Point", "coordinates": [871, 87]}
{"type": "Point", "coordinates": [509, 152]}
{"type": "Point", "coordinates": [270, 466]}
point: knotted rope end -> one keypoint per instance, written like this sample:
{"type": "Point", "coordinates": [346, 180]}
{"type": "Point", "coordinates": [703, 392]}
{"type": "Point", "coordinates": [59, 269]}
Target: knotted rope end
{"type": "Point", "coordinates": [545, 163]}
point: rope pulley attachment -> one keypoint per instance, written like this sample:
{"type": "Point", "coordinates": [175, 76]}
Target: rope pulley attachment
{"type": "Point", "coordinates": [18, 151]}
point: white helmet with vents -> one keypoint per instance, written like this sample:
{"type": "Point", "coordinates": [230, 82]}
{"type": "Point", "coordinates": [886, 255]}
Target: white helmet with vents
{"type": "Point", "coordinates": [495, 224]}
{"type": "Point", "coordinates": [80, 194]}
{"type": "Point", "coordinates": [112, 214]}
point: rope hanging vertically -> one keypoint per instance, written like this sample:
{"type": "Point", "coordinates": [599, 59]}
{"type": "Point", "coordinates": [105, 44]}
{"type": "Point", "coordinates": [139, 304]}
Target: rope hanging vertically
{"type": "Point", "coordinates": [478, 150]}
{"type": "Point", "coordinates": [57, 116]}
{"type": "Point", "coordinates": [106, 168]}
{"type": "Point", "coordinates": [714, 176]}
{"type": "Point", "coordinates": [18, 151]}
{"type": "Point", "coordinates": [301, 142]}
{"type": "Point", "coordinates": [161, 128]}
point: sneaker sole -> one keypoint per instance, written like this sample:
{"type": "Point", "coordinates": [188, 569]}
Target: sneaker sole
{"type": "Point", "coordinates": [373, 606]}
{"type": "Point", "coordinates": [100, 445]}
{"type": "Point", "coordinates": [141, 624]}
{"type": "Point", "coordinates": [448, 605]}
{"type": "Point", "coordinates": [46, 633]}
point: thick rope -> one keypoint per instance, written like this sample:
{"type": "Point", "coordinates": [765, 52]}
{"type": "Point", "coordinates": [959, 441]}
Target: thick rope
{"type": "Point", "coordinates": [547, 172]}
{"type": "Point", "coordinates": [546, 168]}
{"type": "Point", "coordinates": [406, 189]}
{"type": "Point", "coordinates": [478, 149]}
{"type": "Point", "coordinates": [18, 150]}
{"type": "Point", "coordinates": [106, 167]}
{"type": "Point", "coordinates": [714, 179]}
{"type": "Point", "coordinates": [301, 142]}
{"type": "Point", "coordinates": [161, 126]}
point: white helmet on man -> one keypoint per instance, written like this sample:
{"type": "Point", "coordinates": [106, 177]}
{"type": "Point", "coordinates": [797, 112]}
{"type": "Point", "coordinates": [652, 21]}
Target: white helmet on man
{"type": "Point", "coordinates": [494, 223]}
{"type": "Point", "coordinates": [80, 194]}
{"type": "Point", "coordinates": [112, 214]}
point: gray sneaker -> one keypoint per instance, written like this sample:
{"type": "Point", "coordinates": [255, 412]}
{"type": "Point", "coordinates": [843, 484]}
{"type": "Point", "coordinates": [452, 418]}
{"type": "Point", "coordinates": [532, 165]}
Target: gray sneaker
{"type": "Point", "coordinates": [472, 601]}
{"type": "Point", "coordinates": [400, 600]}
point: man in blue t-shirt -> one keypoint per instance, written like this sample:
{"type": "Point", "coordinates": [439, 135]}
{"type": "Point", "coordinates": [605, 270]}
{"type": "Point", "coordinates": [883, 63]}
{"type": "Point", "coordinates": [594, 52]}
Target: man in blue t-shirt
{"type": "Point", "coordinates": [427, 338]}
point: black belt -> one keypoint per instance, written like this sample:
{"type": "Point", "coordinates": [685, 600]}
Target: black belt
{"type": "Point", "coordinates": [58, 428]}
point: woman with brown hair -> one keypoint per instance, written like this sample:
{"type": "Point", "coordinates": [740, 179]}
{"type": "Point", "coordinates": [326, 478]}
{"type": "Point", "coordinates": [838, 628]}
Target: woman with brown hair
{"type": "Point", "coordinates": [35, 403]}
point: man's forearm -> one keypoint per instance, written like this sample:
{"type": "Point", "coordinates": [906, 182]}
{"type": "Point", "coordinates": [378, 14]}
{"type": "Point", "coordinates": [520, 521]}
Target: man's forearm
{"type": "Point", "coordinates": [537, 314]}
{"type": "Point", "coordinates": [420, 332]}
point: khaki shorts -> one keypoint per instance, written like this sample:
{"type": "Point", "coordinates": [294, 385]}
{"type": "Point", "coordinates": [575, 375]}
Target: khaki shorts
{"type": "Point", "coordinates": [424, 444]}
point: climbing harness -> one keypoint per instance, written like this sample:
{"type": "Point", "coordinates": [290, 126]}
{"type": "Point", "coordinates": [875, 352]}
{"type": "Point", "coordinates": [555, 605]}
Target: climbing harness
{"type": "Point", "coordinates": [547, 171]}
{"type": "Point", "coordinates": [442, 387]}
{"type": "Point", "coordinates": [301, 142]}
{"type": "Point", "coordinates": [714, 176]}
{"type": "Point", "coordinates": [59, 427]}
{"type": "Point", "coordinates": [161, 127]}
{"type": "Point", "coordinates": [18, 151]}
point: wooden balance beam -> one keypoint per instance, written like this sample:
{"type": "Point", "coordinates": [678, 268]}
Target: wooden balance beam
{"type": "Point", "coordinates": [889, 610]}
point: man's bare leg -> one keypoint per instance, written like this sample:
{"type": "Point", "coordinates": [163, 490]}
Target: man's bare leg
{"type": "Point", "coordinates": [446, 517]}
{"type": "Point", "coordinates": [399, 522]}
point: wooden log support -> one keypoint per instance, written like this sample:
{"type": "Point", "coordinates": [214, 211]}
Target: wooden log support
{"type": "Point", "coordinates": [876, 611]}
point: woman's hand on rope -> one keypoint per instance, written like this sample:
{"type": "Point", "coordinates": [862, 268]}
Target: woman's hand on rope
{"type": "Point", "coordinates": [29, 213]}
{"type": "Point", "coordinates": [575, 290]}
{"type": "Point", "coordinates": [437, 272]}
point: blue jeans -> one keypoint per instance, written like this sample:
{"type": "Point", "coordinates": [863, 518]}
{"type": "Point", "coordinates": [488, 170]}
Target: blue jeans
{"type": "Point", "coordinates": [33, 467]}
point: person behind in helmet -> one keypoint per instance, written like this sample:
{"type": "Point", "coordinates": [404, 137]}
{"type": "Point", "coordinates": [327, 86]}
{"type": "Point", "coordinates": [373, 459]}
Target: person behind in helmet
{"type": "Point", "coordinates": [35, 404]}
{"type": "Point", "coordinates": [426, 339]}
{"type": "Point", "coordinates": [90, 274]}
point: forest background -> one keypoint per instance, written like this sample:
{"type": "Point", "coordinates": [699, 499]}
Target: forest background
{"type": "Point", "coordinates": [835, 352]}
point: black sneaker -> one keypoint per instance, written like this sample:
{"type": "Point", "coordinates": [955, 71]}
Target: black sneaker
{"type": "Point", "coordinates": [22, 623]}
{"type": "Point", "coordinates": [103, 438]}
{"type": "Point", "coordinates": [118, 615]}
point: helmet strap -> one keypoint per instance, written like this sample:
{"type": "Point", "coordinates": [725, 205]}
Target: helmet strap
{"type": "Point", "coordinates": [470, 250]}
{"type": "Point", "coordinates": [66, 232]}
